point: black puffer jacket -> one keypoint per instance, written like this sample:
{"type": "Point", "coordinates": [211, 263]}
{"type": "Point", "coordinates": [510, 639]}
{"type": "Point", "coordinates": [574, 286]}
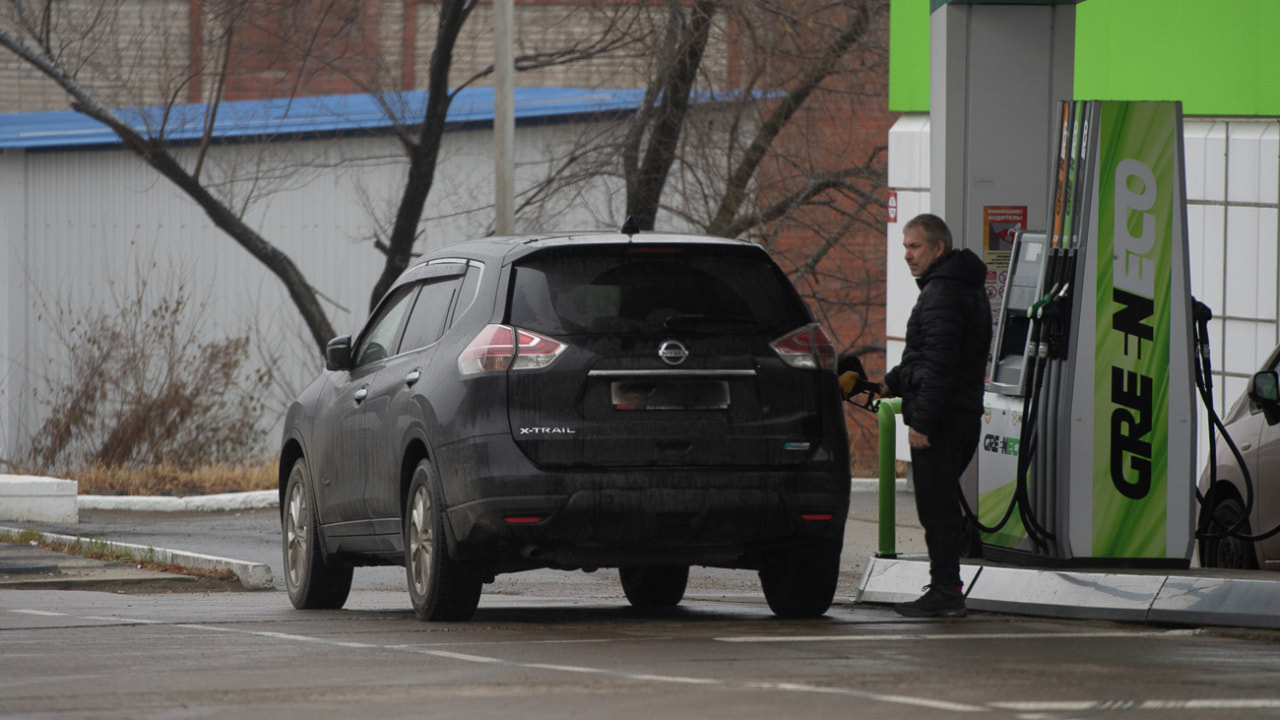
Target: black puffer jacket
{"type": "Point", "coordinates": [944, 365]}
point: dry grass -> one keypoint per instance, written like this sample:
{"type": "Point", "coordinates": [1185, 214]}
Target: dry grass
{"type": "Point", "coordinates": [169, 480]}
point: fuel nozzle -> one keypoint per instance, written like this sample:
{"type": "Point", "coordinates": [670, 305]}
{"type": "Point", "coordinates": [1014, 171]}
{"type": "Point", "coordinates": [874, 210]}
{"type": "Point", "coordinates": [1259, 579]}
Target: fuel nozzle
{"type": "Point", "coordinates": [1202, 314]}
{"type": "Point", "coordinates": [853, 380]}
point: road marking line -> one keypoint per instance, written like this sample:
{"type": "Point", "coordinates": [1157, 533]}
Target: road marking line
{"type": "Point", "coordinates": [566, 668]}
{"type": "Point", "coordinates": [456, 656]}
{"type": "Point", "coordinates": [123, 621]}
{"type": "Point", "coordinates": [672, 679]}
{"type": "Point", "coordinates": [1127, 705]}
{"type": "Point", "coordinates": [1025, 707]}
{"type": "Point", "coordinates": [896, 699]}
{"type": "Point", "coordinates": [977, 636]}
{"type": "Point", "coordinates": [281, 636]}
{"type": "Point", "coordinates": [638, 677]}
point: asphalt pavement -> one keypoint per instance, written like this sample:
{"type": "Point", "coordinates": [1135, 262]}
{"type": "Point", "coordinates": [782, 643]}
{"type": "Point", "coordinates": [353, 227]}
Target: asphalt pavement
{"type": "Point", "coordinates": [232, 542]}
{"type": "Point", "coordinates": [240, 533]}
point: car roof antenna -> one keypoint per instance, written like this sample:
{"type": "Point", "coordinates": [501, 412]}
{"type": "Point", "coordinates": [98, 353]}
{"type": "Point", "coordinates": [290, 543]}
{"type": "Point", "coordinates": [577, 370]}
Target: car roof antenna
{"type": "Point", "coordinates": [630, 227]}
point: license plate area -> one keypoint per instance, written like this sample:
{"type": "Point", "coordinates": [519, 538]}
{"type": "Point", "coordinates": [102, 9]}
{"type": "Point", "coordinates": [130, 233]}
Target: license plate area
{"type": "Point", "coordinates": [669, 394]}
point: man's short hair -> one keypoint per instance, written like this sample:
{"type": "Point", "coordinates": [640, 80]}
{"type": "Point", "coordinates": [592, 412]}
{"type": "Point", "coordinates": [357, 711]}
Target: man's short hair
{"type": "Point", "coordinates": [933, 228]}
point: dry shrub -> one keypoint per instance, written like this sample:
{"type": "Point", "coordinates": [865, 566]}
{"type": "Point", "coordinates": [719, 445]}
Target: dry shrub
{"type": "Point", "coordinates": [140, 387]}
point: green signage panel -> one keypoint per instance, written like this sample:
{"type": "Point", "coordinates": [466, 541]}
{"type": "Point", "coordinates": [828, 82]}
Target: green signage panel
{"type": "Point", "coordinates": [1137, 185]}
{"type": "Point", "coordinates": [1216, 58]}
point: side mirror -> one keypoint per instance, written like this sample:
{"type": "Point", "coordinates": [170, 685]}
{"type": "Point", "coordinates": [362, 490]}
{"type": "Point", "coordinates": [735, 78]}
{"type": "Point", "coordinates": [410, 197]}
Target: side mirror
{"type": "Point", "coordinates": [1264, 389]}
{"type": "Point", "coordinates": [337, 354]}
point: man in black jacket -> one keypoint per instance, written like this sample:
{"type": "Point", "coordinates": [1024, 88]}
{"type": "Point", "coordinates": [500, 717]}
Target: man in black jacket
{"type": "Point", "coordinates": [941, 381]}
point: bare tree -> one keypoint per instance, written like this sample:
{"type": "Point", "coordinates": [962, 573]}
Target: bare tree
{"type": "Point", "coordinates": [728, 163]}
{"type": "Point", "coordinates": [613, 32]}
{"type": "Point", "coordinates": [278, 47]}
{"type": "Point", "coordinates": [764, 120]}
{"type": "Point", "coordinates": [749, 127]}
{"type": "Point", "coordinates": [35, 35]}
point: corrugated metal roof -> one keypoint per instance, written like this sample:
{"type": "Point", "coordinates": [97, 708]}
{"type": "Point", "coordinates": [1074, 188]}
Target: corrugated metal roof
{"type": "Point", "coordinates": [303, 116]}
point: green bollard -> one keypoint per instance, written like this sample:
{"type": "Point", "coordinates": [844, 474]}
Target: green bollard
{"type": "Point", "coordinates": [886, 410]}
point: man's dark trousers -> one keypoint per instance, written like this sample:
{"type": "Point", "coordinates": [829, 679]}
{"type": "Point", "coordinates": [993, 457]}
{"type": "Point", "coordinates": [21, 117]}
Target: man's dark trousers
{"type": "Point", "coordinates": [936, 474]}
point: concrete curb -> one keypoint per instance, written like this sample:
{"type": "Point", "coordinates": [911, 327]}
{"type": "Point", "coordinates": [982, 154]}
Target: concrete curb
{"type": "Point", "coordinates": [253, 576]}
{"type": "Point", "coordinates": [229, 502]}
{"type": "Point", "coordinates": [226, 502]}
{"type": "Point", "coordinates": [1143, 597]}
{"type": "Point", "coordinates": [873, 484]}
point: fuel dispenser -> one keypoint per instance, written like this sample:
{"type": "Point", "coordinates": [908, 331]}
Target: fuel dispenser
{"type": "Point", "coordinates": [1088, 450]}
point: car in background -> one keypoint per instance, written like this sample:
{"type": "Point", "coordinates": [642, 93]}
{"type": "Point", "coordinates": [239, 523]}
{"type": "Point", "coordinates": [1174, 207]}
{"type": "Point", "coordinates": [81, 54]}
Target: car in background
{"type": "Point", "coordinates": [648, 402]}
{"type": "Point", "coordinates": [1236, 511]}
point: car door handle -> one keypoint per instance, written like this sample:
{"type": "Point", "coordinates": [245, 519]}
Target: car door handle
{"type": "Point", "coordinates": [361, 394]}
{"type": "Point", "coordinates": [412, 377]}
{"type": "Point", "coordinates": [1245, 445]}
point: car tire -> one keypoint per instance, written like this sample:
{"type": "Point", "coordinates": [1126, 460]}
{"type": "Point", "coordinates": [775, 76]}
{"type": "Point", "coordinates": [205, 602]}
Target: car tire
{"type": "Point", "coordinates": [1230, 552]}
{"type": "Point", "coordinates": [311, 581]}
{"type": "Point", "coordinates": [654, 588]}
{"type": "Point", "coordinates": [802, 583]}
{"type": "Point", "coordinates": [442, 589]}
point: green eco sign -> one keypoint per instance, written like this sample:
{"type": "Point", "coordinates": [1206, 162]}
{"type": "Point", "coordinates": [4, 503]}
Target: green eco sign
{"type": "Point", "coordinates": [1136, 165]}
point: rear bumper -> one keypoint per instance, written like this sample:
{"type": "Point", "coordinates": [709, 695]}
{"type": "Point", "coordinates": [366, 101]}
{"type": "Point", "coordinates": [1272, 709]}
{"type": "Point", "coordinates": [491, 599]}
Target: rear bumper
{"type": "Point", "coordinates": [505, 512]}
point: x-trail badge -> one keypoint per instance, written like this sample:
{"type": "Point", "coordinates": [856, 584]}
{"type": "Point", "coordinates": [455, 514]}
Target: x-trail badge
{"type": "Point", "coordinates": [672, 352]}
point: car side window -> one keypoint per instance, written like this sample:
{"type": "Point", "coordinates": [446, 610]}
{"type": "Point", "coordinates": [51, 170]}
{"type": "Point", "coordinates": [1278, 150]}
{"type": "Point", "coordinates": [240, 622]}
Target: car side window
{"type": "Point", "coordinates": [377, 343]}
{"type": "Point", "coordinates": [468, 292]}
{"type": "Point", "coordinates": [426, 320]}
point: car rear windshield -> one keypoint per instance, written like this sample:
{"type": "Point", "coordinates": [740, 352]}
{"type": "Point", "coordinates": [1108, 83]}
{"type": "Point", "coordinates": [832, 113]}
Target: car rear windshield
{"type": "Point", "coordinates": [653, 289]}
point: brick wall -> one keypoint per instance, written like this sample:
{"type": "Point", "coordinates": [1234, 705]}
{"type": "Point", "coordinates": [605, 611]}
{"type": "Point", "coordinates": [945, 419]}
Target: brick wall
{"type": "Point", "coordinates": [132, 53]}
{"type": "Point", "coordinates": [149, 51]}
{"type": "Point", "coordinates": [844, 123]}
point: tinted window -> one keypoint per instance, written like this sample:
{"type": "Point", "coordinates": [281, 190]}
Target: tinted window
{"type": "Point", "coordinates": [379, 337]}
{"type": "Point", "coordinates": [426, 321]}
{"type": "Point", "coordinates": [649, 288]}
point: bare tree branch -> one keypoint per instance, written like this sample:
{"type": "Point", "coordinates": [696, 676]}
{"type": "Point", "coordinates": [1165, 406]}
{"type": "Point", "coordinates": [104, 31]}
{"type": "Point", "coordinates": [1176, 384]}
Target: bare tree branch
{"type": "Point", "coordinates": [736, 191]}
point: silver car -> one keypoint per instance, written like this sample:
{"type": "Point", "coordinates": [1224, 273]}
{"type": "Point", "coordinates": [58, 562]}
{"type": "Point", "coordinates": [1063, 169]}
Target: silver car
{"type": "Point", "coordinates": [1236, 512]}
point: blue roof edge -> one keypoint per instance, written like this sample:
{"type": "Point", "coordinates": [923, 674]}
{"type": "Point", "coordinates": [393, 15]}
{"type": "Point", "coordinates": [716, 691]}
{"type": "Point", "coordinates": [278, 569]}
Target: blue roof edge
{"type": "Point", "coordinates": [305, 116]}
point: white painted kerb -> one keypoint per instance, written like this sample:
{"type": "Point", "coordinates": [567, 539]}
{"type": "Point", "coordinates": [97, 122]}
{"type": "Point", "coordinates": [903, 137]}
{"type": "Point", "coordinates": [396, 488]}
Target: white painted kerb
{"type": "Point", "coordinates": [25, 498]}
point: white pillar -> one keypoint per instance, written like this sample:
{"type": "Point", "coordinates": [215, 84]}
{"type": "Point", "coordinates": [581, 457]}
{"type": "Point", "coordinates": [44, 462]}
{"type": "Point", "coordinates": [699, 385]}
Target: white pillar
{"type": "Point", "coordinates": [14, 373]}
{"type": "Point", "coordinates": [997, 74]}
{"type": "Point", "coordinates": [504, 121]}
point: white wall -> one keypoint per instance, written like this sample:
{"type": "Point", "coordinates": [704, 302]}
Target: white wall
{"type": "Point", "coordinates": [1233, 225]}
{"type": "Point", "coordinates": [79, 227]}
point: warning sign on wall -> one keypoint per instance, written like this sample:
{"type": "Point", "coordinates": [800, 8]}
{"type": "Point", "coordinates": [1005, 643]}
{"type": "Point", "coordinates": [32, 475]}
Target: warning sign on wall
{"type": "Point", "coordinates": [893, 206]}
{"type": "Point", "coordinates": [1000, 223]}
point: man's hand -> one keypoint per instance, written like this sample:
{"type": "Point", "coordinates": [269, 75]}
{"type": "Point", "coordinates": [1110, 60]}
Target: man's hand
{"type": "Point", "coordinates": [917, 439]}
{"type": "Point", "coordinates": [885, 392]}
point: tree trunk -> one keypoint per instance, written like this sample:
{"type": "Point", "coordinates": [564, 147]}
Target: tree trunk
{"type": "Point", "coordinates": [662, 117]}
{"type": "Point", "coordinates": [424, 153]}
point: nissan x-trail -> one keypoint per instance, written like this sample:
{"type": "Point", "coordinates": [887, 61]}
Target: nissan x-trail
{"type": "Point", "coordinates": [646, 403]}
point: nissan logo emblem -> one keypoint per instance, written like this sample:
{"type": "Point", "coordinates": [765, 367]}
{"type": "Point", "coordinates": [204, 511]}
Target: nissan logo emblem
{"type": "Point", "coordinates": [672, 352]}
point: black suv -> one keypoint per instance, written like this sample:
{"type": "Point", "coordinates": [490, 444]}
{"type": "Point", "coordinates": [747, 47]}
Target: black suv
{"type": "Point", "coordinates": [644, 402]}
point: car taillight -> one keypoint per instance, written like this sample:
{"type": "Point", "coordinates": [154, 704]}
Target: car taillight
{"type": "Point", "coordinates": [809, 347]}
{"type": "Point", "coordinates": [501, 347]}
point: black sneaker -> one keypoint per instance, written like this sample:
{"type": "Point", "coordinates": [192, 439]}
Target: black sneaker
{"type": "Point", "coordinates": [937, 601]}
